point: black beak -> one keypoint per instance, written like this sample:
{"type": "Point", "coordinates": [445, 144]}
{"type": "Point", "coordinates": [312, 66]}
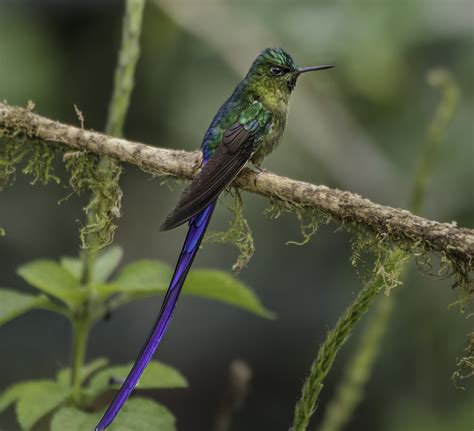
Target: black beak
{"type": "Point", "coordinates": [301, 70]}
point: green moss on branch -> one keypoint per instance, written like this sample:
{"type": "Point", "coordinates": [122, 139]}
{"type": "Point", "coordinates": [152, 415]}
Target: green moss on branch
{"type": "Point", "coordinates": [238, 234]}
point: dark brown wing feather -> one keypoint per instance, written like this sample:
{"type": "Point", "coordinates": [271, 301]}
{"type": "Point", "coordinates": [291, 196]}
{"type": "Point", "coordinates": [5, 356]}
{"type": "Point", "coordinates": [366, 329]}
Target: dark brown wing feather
{"type": "Point", "coordinates": [224, 165]}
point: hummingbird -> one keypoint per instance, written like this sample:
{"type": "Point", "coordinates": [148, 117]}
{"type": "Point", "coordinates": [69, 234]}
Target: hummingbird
{"type": "Point", "coordinates": [247, 127]}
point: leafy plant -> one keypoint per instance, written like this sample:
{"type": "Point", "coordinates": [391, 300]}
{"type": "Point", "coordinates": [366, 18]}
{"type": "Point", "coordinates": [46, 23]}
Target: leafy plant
{"type": "Point", "coordinates": [72, 397]}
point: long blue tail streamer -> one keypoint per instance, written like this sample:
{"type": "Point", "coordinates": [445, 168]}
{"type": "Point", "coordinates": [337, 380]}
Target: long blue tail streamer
{"type": "Point", "coordinates": [197, 227]}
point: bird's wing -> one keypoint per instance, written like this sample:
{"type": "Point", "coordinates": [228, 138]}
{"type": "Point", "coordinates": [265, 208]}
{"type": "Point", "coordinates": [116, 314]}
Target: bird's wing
{"type": "Point", "coordinates": [237, 146]}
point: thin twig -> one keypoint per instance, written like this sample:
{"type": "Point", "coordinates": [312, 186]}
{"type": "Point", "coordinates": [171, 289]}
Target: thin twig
{"type": "Point", "coordinates": [240, 376]}
{"type": "Point", "coordinates": [124, 79]}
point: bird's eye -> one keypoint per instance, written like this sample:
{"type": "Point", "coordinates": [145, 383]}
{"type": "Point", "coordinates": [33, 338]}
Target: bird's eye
{"type": "Point", "coordinates": [277, 71]}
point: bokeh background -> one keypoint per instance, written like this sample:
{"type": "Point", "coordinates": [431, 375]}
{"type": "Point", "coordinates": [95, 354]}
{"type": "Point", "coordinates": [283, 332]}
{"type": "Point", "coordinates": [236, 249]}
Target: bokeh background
{"type": "Point", "coordinates": [358, 127]}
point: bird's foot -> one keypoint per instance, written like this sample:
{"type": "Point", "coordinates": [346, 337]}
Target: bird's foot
{"type": "Point", "coordinates": [257, 170]}
{"type": "Point", "coordinates": [197, 165]}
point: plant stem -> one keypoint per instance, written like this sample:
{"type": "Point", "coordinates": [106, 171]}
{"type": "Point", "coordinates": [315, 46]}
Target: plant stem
{"type": "Point", "coordinates": [336, 338]}
{"type": "Point", "coordinates": [351, 390]}
{"type": "Point", "coordinates": [125, 71]}
{"type": "Point", "coordinates": [118, 107]}
{"type": "Point", "coordinates": [239, 380]}
{"type": "Point", "coordinates": [443, 81]}
{"type": "Point", "coordinates": [81, 326]}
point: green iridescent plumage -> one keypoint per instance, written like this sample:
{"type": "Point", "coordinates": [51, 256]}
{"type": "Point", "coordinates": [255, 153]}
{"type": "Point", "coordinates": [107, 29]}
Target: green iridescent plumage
{"type": "Point", "coordinates": [260, 95]}
{"type": "Point", "coordinates": [247, 127]}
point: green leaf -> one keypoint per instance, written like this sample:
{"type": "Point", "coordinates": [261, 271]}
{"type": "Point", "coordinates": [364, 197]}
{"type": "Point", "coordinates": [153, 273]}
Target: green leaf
{"type": "Point", "coordinates": [73, 265]}
{"type": "Point", "coordinates": [106, 263]}
{"type": "Point", "coordinates": [143, 277]}
{"type": "Point", "coordinates": [13, 304]}
{"type": "Point", "coordinates": [156, 376]}
{"type": "Point", "coordinates": [138, 414]}
{"type": "Point", "coordinates": [33, 400]}
{"type": "Point", "coordinates": [63, 377]}
{"type": "Point", "coordinates": [147, 277]}
{"type": "Point", "coordinates": [224, 287]}
{"type": "Point", "coordinates": [141, 414]}
{"type": "Point", "coordinates": [50, 277]}
{"type": "Point", "coordinates": [39, 400]}
{"type": "Point", "coordinates": [10, 395]}
{"type": "Point", "coordinates": [72, 419]}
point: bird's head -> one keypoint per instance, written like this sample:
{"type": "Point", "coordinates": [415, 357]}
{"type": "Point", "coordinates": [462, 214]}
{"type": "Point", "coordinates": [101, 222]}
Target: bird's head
{"type": "Point", "coordinates": [275, 71]}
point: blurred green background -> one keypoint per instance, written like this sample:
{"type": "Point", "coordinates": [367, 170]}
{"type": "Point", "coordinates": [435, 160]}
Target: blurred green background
{"type": "Point", "coordinates": [359, 127]}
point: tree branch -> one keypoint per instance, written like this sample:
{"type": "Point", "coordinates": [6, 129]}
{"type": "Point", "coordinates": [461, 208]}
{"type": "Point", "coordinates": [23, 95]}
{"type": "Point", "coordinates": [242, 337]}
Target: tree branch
{"type": "Point", "coordinates": [399, 225]}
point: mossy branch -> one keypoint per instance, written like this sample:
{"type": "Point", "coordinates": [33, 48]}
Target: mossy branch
{"type": "Point", "coordinates": [400, 226]}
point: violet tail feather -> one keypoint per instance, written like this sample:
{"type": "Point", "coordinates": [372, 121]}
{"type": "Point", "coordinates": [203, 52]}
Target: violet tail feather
{"type": "Point", "coordinates": [197, 227]}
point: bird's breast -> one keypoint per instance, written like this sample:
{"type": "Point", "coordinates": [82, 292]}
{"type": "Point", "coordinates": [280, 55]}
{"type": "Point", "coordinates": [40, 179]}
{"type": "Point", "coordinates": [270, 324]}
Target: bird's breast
{"type": "Point", "coordinates": [271, 138]}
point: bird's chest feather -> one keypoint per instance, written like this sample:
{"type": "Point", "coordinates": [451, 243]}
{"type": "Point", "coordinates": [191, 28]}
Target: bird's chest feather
{"type": "Point", "coordinates": [274, 131]}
